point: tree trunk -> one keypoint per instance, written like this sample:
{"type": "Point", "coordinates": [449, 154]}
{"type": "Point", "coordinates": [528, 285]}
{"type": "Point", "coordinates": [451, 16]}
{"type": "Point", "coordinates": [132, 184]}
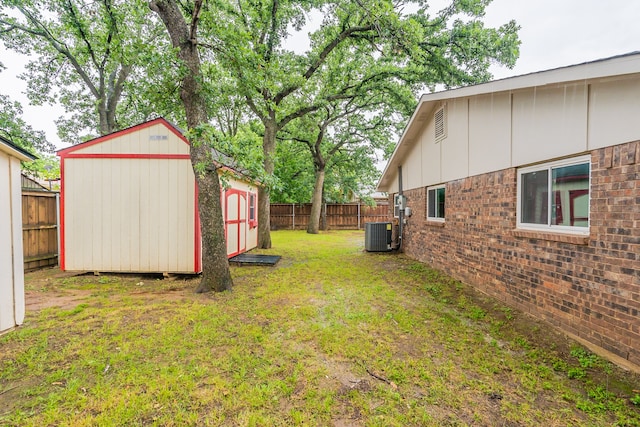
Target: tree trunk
{"type": "Point", "coordinates": [264, 196]}
{"type": "Point", "coordinates": [316, 203]}
{"type": "Point", "coordinates": [102, 115]}
{"type": "Point", "coordinates": [215, 264]}
{"type": "Point", "coordinates": [114, 93]}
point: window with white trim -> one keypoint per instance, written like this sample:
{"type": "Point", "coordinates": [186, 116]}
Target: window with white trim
{"type": "Point", "coordinates": [555, 196]}
{"type": "Point", "coordinates": [399, 203]}
{"type": "Point", "coordinates": [435, 203]}
{"type": "Point", "coordinates": [253, 217]}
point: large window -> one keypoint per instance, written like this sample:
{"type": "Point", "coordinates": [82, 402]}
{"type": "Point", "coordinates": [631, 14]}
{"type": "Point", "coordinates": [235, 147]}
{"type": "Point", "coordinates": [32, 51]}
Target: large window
{"type": "Point", "coordinates": [555, 196]}
{"type": "Point", "coordinates": [435, 203]}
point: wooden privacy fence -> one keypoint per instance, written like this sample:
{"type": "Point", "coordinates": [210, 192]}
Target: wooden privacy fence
{"type": "Point", "coordinates": [39, 229]}
{"type": "Point", "coordinates": [346, 216]}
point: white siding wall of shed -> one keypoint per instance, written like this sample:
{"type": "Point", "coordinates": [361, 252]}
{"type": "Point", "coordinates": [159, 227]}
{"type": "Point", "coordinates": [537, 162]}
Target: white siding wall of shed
{"type": "Point", "coordinates": [12, 303]}
{"type": "Point", "coordinates": [129, 215]}
{"type": "Point", "coordinates": [125, 210]}
{"type": "Point", "coordinates": [155, 139]}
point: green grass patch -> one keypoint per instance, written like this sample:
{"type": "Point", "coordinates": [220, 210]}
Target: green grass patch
{"type": "Point", "coordinates": [332, 335]}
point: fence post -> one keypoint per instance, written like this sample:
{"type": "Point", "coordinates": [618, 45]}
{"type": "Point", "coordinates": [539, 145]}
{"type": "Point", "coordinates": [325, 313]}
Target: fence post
{"type": "Point", "coordinates": [293, 216]}
{"type": "Point", "coordinates": [358, 215]}
{"type": "Point", "coordinates": [325, 222]}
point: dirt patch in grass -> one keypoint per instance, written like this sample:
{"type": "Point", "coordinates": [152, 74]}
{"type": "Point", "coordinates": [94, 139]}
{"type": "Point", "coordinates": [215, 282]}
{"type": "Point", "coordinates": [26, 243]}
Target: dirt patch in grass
{"type": "Point", "coordinates": [53, 288]}
{"type": "Point", "coordinates": [40, 300]}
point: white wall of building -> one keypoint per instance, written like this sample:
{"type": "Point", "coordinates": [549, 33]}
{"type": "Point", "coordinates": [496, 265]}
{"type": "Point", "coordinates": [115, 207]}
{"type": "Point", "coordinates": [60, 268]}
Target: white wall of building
{"type": "Point", "coordinates": [12, 302]}
{"type": "Point", "coordinates": [129, 203]}
{"type": "Point", "coordinates": [135, 215]}
{"type": "Point", "coordinates": [489, 132]}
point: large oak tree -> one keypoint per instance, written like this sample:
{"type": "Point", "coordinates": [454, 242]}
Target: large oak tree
{"type": "Point", "coordinates": [83, 54]}
{"type": "Point", "coordinates": [346, 138]}
{"type": "Point", "coordinates": [91, 55]}
{"type": "Point", "coordinates": [182, 26]}
{"type": "Point", "coordinates": [378, 44]}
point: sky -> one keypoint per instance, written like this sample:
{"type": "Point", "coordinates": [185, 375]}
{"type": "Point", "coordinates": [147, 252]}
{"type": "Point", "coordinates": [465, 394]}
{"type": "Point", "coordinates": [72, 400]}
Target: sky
{"type": "Point", "coordinates": [554, 33]}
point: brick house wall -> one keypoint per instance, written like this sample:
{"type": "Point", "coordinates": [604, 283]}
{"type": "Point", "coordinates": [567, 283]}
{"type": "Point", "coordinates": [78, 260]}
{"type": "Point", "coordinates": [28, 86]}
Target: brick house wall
{"type": "Point", "coordinates": [587, 286]}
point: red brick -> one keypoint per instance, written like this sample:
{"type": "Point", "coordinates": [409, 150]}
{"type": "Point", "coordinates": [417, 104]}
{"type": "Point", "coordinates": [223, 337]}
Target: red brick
{"type": "Point", "coordinates": [535, 271]}
{"type": "Point", "coordinates": [629, 157]}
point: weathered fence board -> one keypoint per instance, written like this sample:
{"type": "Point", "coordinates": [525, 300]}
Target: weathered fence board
{"type": "Point", "coordinates": [347, 216]}
{"type": "Point", "coordinates": [39, 229]}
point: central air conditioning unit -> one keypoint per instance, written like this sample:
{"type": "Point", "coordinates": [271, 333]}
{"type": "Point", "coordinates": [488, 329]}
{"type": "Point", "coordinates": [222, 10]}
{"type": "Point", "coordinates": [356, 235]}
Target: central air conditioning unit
{"type": "Point", "coordinates": [377, 236]}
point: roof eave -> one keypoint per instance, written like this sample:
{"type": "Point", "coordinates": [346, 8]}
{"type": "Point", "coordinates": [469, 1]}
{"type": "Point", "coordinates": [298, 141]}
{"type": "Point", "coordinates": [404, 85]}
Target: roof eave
{"type": "Point", "coordinates": [173, 128]}
{"type": "Point", "coordinates": [15, 151]}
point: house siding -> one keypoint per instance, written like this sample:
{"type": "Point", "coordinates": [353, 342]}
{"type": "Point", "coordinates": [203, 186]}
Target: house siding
{"type": "Point", "coordinates": [587, 286]}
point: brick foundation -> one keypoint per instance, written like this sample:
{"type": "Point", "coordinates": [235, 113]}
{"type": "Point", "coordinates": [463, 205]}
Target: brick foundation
{"type": "Point", "coordinates": [587, 286]}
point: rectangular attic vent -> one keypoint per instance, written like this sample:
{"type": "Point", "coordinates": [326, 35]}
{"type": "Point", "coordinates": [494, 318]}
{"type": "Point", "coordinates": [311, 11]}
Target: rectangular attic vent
{"type": "Point", "coordinates": [440, 119]}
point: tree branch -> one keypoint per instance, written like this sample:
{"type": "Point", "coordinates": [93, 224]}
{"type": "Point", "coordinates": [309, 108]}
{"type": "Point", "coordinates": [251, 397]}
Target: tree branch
{"type": "Point", "coordinates": [296, 114]}
{"type": "Point", "coordinates": [272, 31]}
{"type": "Point", "coordinates": [57, 45]}
{"type": "Point", "coordinates": [242, 15]}
{"type": "Point", "coordinates": [76, 22]}
{"type": "Point", "coordinates": [346, 33]}
{"type": "Point", "coordinates": [112, 30]}
{"type": "Point", "coordinates": [195, 17]}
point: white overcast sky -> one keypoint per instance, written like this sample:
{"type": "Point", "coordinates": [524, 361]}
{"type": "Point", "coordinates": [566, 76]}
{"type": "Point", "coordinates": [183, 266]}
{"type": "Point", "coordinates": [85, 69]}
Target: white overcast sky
{"type": "Point", "coordinates": [554, 33]}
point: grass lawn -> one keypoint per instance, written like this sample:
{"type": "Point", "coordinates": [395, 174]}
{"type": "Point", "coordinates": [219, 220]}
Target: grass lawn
{"type": "Point", "coordinates": [331, 336]}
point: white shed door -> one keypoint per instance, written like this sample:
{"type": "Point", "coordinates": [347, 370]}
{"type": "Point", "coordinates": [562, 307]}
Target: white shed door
{"type": "Point", "coordinates": [235, 221]}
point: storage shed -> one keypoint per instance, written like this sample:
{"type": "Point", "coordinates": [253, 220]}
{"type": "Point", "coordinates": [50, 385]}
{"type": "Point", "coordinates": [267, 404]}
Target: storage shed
{"type": "Point", "coordinates": [12, 305]}
{"type": "Point", "coordinates": [129, 204]}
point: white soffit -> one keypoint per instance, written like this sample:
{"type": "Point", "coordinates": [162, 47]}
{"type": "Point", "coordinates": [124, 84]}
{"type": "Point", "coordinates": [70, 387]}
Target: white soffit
{"type": "Point", "coordinates": [15, 151]}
